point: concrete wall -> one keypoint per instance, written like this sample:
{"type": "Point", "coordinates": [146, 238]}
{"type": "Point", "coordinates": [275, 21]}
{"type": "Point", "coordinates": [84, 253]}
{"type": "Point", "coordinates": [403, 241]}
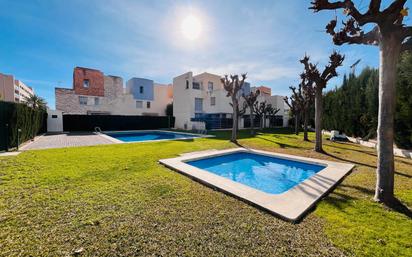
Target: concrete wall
{"type": "Point", "coordinates": [134, 85]}
{"type": "Point", "coordinates": [54, 121]}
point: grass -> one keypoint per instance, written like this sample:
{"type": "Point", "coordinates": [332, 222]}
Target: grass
{"type": "Point", "coordinates": [117, 200]}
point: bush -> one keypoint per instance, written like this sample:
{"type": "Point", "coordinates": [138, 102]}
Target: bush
{"type": "Point", "coordinates": [14, 116]}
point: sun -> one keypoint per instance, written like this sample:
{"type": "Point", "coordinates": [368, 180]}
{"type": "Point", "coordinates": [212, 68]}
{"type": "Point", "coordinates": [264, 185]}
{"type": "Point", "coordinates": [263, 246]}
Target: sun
{"type": "Point", "coordinates": [191, 27]}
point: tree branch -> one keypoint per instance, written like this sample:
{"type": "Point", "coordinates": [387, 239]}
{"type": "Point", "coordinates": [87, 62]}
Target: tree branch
{"type": "Point", "coordinates": [407, 32]}
{"type": "Point", "coordinates": [350, 9]}
{"type": "Point", "coordinates": [392, 13]}
{"type": "Point", "coordinates": [370, 38]}
{"type": "Point", "coordinates": [374, 6]}
{"type": "Point", "coordinates": [407, 46]}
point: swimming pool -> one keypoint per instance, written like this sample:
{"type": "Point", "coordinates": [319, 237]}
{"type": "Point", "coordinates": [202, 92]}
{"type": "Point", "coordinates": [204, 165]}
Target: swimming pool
{"type": "Point", "coordinates": [150, 135]}
{"type": "Point", "coordinates": [284, 185]}
{"type": "Point", "coordinates": [269, 174]}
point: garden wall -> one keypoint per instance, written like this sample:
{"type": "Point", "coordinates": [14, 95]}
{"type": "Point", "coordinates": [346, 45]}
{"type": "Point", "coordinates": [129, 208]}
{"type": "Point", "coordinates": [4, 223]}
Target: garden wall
{"type": "Point", "coordinates": [74, 122]}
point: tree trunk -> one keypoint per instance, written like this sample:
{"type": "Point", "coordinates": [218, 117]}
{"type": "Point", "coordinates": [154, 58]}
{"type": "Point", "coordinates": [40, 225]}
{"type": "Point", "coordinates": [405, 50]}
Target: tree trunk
{"type": "Point", "coordinates": [389, 56]}
{"type": "Point", "coordinates": [305, 125]}
{"type": "Point", "coordinates": [318, 119]}
{"type": "Point", "coordinates": [235, 122]}
{"type": "Point", "coordinates": [252, 131]}
{"type": "Point", "coordinates": [297, 124]}
{"type": "Point", "coordinates": [264, 121]}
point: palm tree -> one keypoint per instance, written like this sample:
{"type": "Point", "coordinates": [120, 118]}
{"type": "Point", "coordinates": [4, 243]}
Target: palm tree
{"type": "Point", "coordinates": [36, 102]}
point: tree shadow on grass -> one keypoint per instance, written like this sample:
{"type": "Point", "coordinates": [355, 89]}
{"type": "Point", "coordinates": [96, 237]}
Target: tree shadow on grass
{"type": "Point", "coordinates": [351, 149]}
{"type": "Point", "coordinates": [397, 206]}
{"type": "Point", "coordinates": [348, 160]}
{"type": "Point", "coordinates": [281, 145]}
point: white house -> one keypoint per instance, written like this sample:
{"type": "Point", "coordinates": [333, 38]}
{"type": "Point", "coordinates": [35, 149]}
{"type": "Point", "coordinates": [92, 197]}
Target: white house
{"type": "Point", "coordinates": [201, 100]}
{"type": "Point", "coordinates": [281, 118]}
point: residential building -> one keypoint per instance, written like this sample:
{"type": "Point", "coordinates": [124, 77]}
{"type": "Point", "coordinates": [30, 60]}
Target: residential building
{"type": "Point", "coordinates": [202, 98]}
{"type": "Point", "coordinates": [95, 93]}
{"type": "Point", "coordinates": [12, 90]}
{"type": "Point", "coordinates": [201, 101]}
{"type": "Point", "coordinates": [281, 118]}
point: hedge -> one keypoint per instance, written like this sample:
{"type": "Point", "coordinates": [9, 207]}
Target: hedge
{"type": "Point", "coordinates": [14, 116]}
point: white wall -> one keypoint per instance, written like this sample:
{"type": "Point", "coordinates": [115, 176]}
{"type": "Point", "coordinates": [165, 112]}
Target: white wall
{"type": "Point", "coordinates": [54, 121]}
{"type": "Point", "coordinates": [184, 99]}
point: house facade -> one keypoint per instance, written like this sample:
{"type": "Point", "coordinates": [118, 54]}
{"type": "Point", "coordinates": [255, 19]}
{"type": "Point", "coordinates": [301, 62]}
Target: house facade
{"type": "Point", "coordinates": [201, 101]}
{"type": "Point", "coordinates": [281, 118]}
{"type": "Point", "coordinates": [13, 90]}
{"type": "Point", "coordinates": [95, 93]}
{"type": "Point", "coordinates": [199, 98]}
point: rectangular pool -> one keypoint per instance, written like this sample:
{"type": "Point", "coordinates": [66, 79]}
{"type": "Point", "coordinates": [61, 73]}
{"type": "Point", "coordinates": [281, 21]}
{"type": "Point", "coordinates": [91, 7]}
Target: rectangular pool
{"type": "Point", "coordinates": [150, 135]}
{"type": "Point", "coordinates": [284, 185]}
{"type": "Point", "coordinates": [268, 174]}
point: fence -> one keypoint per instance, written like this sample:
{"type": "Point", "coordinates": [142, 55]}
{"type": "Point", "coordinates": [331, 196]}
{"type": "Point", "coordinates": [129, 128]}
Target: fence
{"type": "Point", "coordinates": [19, 123]}
{"type": "Point", "coordinates": [73, 122]}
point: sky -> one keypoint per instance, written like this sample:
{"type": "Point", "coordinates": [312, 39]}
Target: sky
{"type": "Point", "coordinates": [41, 41]}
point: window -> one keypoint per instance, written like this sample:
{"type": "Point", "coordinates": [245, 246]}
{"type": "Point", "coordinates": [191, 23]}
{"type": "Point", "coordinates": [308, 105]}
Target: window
{"type": "Point", "coordinates": [196, 85]}
{"type": "Point", "coordinates": [198, 105]}
{"type": "Point", "coordinates": [96, 101]}
{"type": "Point", "coordinates": [187, 84]}
{"type": "Point", "coordinates": [54, 116]}
{"type": "Point", "coordinates": [148, 105]}
{"type": "Point", "coordinates": [139, 104]}
{"type": "Point", "coordinates": [82, 100]}
{"type": "Point", "coordinates": [86, 83]}
{"type": "Point", "coordinates": [210, 86]}
{"type": "Point", "coordinates": [141, 88]}
{"type": "Point", "coordinates": [213, 101]}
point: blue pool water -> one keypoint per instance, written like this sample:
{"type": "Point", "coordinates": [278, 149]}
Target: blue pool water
{"type": "Point", "coordinates": [148, 135]}
{"type": "Point", "coordinates": [268, 174]}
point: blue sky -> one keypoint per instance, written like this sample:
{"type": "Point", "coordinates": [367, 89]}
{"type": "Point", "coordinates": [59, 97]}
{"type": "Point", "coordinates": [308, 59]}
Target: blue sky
{"type": "Point", "coordinates": [41, 41]}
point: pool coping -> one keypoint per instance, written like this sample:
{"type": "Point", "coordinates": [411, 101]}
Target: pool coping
{"type": "Point", "coordinates": [291, 205]}
{"type": "Point", "coordinates": [117, 141]}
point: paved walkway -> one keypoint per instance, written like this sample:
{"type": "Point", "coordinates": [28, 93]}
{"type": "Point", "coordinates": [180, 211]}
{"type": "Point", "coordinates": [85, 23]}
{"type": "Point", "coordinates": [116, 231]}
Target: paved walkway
{"type": "Point", "coordinates": [66, 140]}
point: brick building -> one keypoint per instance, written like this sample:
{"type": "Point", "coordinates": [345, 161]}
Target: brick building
{"type": "Point", "coordinates": [95, 93]}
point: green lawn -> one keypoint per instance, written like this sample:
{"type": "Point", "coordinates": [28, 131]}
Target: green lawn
{"type": "Point", "coordinates": [117, 200]}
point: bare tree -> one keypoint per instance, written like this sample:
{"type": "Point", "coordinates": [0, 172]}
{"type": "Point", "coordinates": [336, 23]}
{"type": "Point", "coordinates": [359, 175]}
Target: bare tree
{"type": "Point", "coordinates": [260, 111]}
{"type": "Point", "coordinates": [392, 37]}
{"type": "Point", "coordinates": [232, 86]}
{"type": "Point", "coordinates": [307, 96]}
{"type": "Point", "coordinates": [250, 100]}
{"type": "Point", "coordinates": [294, 109]}
{"type": "Point", "coordinates": [270, 112]}
{"type": "Point", "coordinates": [320, 81]}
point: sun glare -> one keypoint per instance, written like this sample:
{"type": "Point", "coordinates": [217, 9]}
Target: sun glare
{"type": "Point", "coordinates": [191, 27]}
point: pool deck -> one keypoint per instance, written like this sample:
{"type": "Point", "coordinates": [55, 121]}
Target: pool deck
{"type": "Point", "coordinates": [291, 205]}
{"type": "Point", "coordinates": [74, 139]}
{"type": "Point", "coordinates": [64, 140]}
